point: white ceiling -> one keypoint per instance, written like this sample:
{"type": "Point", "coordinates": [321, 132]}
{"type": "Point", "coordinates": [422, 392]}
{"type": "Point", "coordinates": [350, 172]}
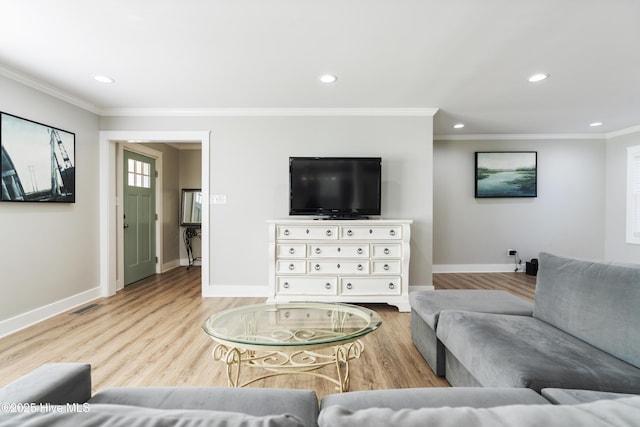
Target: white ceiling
{"type": "Point", "coordinates": [468, 58]}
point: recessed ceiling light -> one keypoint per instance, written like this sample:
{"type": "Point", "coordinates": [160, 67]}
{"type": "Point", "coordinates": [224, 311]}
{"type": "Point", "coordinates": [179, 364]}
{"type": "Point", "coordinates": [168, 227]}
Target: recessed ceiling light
{"type": "Point", "coordinates": [103, 79]}
{"type": "Point", "coordinates": [328, 78]}
{"type": "Point", "coordinates": [538, 77]}
{"type": "Point", "coordinates": [458, 126]}
{"type": "Point", "coordinates": [595, 124]}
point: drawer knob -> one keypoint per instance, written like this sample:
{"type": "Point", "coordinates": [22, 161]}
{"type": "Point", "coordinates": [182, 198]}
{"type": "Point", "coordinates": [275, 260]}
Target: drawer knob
{"type": "Point", "coordinates": [387, 251]}
{"type": "Point", "coordinates": [360, 251]}
{"type": "Point", "coordinates": [327, 285]}
{"type": "Point", "coordinates": [286, 232]}
{"type": "Point", "coordinates": [391, 285]}
{"type": "Point", "coordinates": [349, 286]}
{"type": "Point", "coordinates": [386, 267]}
{"type": "Point", "coordinates": [292, 267]}
{"type": "Point", "coordinates": [317, 267]}
{"type": "Point", "coordinates": [349, 233]}
{"type": "Point", "coordinates": [285, 285]}
{"type": "Point", "coordinates": [318, 250]}
{"type": "Point", "coordinates": [292, 251]}
{"type": "Point", "coordinates": [392, 232]}
{"type": "Point", "coordinates": [307, 231]}
{"type": "Point", "coordinates": [328, 233]}
{"type": "Point", "coordinates": [360, 267]}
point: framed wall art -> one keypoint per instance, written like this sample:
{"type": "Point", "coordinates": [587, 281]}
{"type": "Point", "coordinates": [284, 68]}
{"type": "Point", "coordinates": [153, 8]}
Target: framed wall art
{"type": "Point", "coordinates": [37, 162]}
{"type": "Point", "coordinates": [506, 174]}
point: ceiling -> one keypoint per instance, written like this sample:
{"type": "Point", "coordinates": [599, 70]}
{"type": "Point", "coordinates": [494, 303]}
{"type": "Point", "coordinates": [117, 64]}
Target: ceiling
{"type": "Point", "coordinates": [470, 59]}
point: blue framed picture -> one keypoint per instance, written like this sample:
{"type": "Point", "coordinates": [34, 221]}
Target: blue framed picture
{"type": "Point", "coordinates": [506, 174]}
{"type": "Point", "coordinates": [37, 162]}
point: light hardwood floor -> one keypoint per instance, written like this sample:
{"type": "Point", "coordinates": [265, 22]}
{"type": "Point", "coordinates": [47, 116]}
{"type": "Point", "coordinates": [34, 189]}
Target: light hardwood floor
{"type": "Point", "coordinates": [151, 334]}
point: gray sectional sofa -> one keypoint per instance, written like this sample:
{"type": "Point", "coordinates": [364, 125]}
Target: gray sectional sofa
{"type": "Point", "coordinates": [584, 333]}
{"type": "Point", "coordinates": [59, 395]}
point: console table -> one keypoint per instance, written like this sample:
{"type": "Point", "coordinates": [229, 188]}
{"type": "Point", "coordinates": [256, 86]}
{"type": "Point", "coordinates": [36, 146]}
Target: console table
{"type": "Point", "coordinates": [340, 261]}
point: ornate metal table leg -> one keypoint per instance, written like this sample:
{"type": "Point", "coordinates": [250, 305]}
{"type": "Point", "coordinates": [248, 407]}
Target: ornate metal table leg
{"type": "Point", "coordinates": [343, 354]}
{"type": "Point", "coordinates": [233, 358]}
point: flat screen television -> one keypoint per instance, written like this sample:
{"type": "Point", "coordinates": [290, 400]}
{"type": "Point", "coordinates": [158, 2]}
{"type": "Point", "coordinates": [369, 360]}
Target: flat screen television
{"type": "Point", "coordinates": [340, 187]}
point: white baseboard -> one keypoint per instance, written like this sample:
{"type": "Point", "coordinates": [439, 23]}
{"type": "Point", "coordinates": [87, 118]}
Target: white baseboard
{"type": "Point", "coordinates": [235, 291]}
{"type": "Point", "coordinates": [476, 268]}
{"type": "Point", "coordinates": [167, 266]}
{"type": "Point", "coordinates": [24, 320]}
{"type": "Point", "coordinates": [185, 262]}
{"type": "Point", "coordinates": [421, 288]}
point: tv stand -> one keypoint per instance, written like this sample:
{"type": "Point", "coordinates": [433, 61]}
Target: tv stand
{"type": "Point", "coordinates": [352, 261]}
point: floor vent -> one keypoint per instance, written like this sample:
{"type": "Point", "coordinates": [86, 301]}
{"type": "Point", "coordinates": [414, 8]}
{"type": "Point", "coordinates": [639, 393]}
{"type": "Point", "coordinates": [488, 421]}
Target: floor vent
{"type": "Point", "coordinates": [85, 309]}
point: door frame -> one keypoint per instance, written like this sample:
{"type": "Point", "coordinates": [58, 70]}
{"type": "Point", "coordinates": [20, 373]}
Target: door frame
{"type": "Point", "coordinates": [138, 148]}
{"type": "Point", "coordinates": [111, 273]}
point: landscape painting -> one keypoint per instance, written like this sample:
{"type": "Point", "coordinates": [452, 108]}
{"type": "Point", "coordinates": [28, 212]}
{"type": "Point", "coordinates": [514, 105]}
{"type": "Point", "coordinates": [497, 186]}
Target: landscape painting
{"type": "Point", "coordinates": [506, 174]}
{"type": "Point", "coordinates": [37, 162]}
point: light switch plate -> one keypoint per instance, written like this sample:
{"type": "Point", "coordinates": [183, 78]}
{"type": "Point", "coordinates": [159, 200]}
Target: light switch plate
{"type": "Point", "coordinates": [219, 199]}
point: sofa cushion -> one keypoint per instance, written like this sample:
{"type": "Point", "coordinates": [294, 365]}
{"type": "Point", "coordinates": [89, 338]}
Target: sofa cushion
{"type": "Point", "coordinates": [565, 396]}
{"type": "Point", "coordinates": [252, 401]}
{"type": "Point", "coordinates": [53, 383]}
{"type": "Point", "coordinates": [416, 398]}
{"type": "Point", "coordinates": [429, 304]}
{"type": "Point", "coordinates": [597, 302]}
{"type": "Point", "coordinates": [518, 351]}
{"type": "Point", "coordinates": [606, 413]}
{"type": "Point", "coordinates": [97, 415]}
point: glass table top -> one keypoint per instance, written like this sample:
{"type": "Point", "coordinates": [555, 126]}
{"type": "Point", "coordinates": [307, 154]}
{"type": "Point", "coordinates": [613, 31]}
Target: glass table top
{"type": "Point", "coordinates": [292, 324]}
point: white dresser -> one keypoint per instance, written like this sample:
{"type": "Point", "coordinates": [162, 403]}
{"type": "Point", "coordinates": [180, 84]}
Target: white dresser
{"type": "Point", "coordinates": [340, 260]}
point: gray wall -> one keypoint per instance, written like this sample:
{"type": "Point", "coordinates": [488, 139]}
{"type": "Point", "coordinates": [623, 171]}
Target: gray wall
{"type": "Point", "coordinates": [615, 246]}
{"type": "Point", "coordinates": [49, 251]}
{"type": "Point", "coordinates": [567, 217]}
{"type": "Point", "coordinates": [190, 177]}
{"type": "Point", "coordinates": [249, 164]}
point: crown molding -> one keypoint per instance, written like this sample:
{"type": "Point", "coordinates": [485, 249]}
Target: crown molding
{"type": "Point", "coordinates": [621, 132]}
{"type": "Point", "coordinates": [519, 136]}
{"type": "Point", "coordinates": [48, 89]}
{"type": "Point", "coordinates": [267, 112]}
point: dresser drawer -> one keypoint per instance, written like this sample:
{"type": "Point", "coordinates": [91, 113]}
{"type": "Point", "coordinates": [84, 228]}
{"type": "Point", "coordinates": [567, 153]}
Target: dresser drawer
{"type": "Point", "coordinates": [391, 232]}
{"type": "Point", "coordinates": [370, 286]}
{"type": "Point", "coordinates": [314, 232]}
{"type": "Point", "coordinates": [383, 250]}
{"type": "Point", "coordinates": [324, 250]}
{"type": "Point", "coordinates": [305, 285]}
{"type": "Point", "coordinates": [338, 267]}
{"type": "Point", "coordinates": [291, 267]}
{"type": "Point", "coordinates": [291, 250]}
{"type": "Point", "coordinates": [386, 267]}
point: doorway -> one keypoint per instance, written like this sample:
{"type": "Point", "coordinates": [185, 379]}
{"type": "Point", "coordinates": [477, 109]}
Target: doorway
{"type": "Point", "coordinates": [111, 214]}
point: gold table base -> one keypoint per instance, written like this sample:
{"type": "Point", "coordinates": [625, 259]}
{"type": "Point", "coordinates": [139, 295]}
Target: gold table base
{"type": "Point", "coordinates": [303, 362]}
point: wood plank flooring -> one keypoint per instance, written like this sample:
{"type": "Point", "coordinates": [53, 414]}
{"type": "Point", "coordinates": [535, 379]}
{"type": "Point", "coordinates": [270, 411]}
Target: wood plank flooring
{"type": "Point", "coordinates": [150, 334]}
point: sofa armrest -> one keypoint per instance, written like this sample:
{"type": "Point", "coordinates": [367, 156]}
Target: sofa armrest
{"type": "Point", "coordinates": [53, 383]}
{"type": "Point", "coordinates": [561, 396]}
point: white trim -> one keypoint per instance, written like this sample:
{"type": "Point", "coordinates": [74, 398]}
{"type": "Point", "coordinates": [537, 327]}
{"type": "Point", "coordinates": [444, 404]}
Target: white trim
{"type": "Point", "coordinates": [421, 288]}
{"type": "Point", "coordinates": [47, 89]}
{"type": "Point", "coordinates": [108, 140]}
{"type": "Point", "coordinates": [626, 131]}
{"type": "Point", "coordinates": [24, 320]}
{"type": "Point", "coordinates": [235, 291]}
{"type": "Point", "coordinates": [476, 268]}
{"type": "Point", "coordinates": [168, 266]}
{"type": "Point", "coordinates": [518, 136]}
{"type": "Point", "coordinates": [267, 112]}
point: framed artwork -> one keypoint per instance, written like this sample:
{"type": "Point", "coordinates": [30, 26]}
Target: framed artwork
{"type": "Point", "coordinates": [37, 162]}
{"type": "Point", "coordinates": [506, 174]}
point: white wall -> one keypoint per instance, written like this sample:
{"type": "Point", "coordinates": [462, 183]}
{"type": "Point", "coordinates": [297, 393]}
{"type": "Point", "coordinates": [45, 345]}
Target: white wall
{"type": "Point", "coordinates": [249, 164]}
{"type": "Point", "coordinates": [615, 246]}
{"type": "Point", "coordinates": [49, 252]}
{"type": "Point", "coordinates": [567, 217]}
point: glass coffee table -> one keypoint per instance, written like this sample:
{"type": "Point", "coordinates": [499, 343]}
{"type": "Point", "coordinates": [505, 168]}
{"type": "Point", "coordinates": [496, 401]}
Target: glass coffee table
{"type": "Point", "coordinates": [290, 338]}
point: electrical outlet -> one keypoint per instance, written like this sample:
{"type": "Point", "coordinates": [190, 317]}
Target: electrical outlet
{"type": "Point", "coordinates": [511, 252]}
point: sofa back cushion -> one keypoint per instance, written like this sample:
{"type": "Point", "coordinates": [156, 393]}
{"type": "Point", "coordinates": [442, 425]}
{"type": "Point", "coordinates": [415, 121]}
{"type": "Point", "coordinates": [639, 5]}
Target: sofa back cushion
{"type": "Point", "coordinates": [597, 302]}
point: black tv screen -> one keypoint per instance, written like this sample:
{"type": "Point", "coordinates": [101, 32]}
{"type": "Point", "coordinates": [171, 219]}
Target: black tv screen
{"type": "Point", "coordinates": [335, 186]}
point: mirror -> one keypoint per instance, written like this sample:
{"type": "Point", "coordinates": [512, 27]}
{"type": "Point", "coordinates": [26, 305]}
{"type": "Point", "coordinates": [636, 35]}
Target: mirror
{"type": "Point", "coordinates": [191, 211]}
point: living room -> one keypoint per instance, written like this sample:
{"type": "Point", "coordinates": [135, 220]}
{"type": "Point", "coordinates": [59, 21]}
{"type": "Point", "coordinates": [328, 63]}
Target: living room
{"type": "Point", "coordinates": [53, 259]}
